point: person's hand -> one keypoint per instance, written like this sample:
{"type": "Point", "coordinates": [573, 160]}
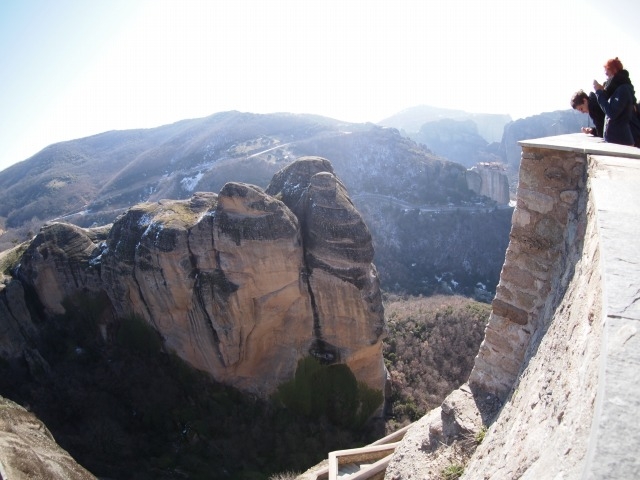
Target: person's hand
{"type": "Point", "coordinates": [587, 130]}
{"type": "Point", "coordinates": [597, 86]}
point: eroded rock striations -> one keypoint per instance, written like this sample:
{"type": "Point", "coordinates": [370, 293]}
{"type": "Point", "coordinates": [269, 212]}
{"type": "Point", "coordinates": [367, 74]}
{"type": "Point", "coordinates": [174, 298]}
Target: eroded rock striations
{"type": "Point", "coordinates": [338, 265]}
{"type": "Point", "coordinates": [240, 284]}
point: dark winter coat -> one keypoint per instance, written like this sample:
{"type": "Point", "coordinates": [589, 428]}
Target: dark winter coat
{"type": "Point", "coordinates": [596, 114]}
{"type": "Point", "coordinates": [611, 84]}
{"type": "Point", "coordinates": [617, 100]}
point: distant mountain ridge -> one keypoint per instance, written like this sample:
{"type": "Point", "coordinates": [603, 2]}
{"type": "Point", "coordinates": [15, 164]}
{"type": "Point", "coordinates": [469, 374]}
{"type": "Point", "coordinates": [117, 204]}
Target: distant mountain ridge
{"type": "Point", "coordinates": [91, 181]}
{"type": "Point", "coordinates": [490, 126]}
{"type": "Point", "coordinates": [118, 169]}
{"type": "Point", "coordinates": [546, 124]}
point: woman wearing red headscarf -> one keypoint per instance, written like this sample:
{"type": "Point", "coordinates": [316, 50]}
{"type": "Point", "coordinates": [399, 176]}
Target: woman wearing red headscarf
{"type": "Point", "coordinates": [617, 100]}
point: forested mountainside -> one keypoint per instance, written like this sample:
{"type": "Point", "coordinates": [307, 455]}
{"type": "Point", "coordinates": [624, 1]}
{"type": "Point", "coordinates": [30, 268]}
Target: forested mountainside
{"type": "Point", "coordinates": [99, 175]}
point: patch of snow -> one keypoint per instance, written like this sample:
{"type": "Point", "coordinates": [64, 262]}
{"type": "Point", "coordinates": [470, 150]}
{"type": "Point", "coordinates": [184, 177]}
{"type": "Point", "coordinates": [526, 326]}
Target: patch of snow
{"type": "Point", "coordinates": [190, 183]}
{"type": "Point", "coordinates": [145, 220]}
{"type": "Point", "coordinates": [153, 230]}
{"type": "Point", "coordinates": [159, 228]}
{"type": "Point", "coordinates": [98, 259]}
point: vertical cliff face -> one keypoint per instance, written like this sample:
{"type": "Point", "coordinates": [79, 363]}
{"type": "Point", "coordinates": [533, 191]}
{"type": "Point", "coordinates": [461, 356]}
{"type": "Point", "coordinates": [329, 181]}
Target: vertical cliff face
{"type": "Point", "coordinates": [239, 284]}
{"type": "Point", "coordinates": [219, 278]}
{"type": "Point", "coordinates": [551, 285]}
{"type": "Point", "coordinates": [554, 390]}
{"type": "Point", "coordinates": [543, 429]}
{"type": "Point", "coordinates": [338, 264]}
{"type": "Point", "coordinates": [490, 180]}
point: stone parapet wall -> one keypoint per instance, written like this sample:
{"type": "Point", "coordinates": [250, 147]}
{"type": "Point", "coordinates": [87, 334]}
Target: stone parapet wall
{"type": "Point", "coordinates": [614, 440]}
{"type": "Point", "coordinates": [561, 350]}
{"type": "Point", "coordinates": [545, 228]}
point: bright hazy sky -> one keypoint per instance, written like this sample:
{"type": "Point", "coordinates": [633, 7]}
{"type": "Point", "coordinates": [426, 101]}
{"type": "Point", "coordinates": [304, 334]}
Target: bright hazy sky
{"type": "Point", "coordinates": [73, 68]}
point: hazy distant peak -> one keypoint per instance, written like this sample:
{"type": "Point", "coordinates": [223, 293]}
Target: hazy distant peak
{"type": "Point", "coordinates": [490, 126]}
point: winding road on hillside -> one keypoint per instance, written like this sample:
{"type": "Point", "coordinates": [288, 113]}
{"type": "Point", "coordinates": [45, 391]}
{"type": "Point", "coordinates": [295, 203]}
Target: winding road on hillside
{"type": "Point", "coordinates": [224, 160]}
{"type": "Point", "coordinates": [449, 208]}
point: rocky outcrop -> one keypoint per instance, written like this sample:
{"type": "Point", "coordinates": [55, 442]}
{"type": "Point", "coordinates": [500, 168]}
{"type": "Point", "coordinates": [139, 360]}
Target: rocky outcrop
{"type": "Point", "coordinates": [29, 451]}
{"type": "Point", "coordinates": [338, 261]}
{"type": "Point", "coordinates": [241, 284]}
{"type": "Point", "coordinates": [16, 327]}
{"type": "Point", "coordinates": [490, 180]}
{"type": "Point", "coordinates": [57, 263]}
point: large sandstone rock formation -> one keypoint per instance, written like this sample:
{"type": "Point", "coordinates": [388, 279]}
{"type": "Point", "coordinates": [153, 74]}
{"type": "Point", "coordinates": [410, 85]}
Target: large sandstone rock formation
{"type": "Point", "coordinates": [241, 284]}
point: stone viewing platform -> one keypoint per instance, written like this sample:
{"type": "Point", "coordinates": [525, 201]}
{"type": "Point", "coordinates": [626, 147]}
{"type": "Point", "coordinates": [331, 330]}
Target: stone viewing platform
{"type": "Point", "coordinates": [555, 389]}
{"type": "Point", "coordinates": [581, 143]}
{"type": "Point", "coordinates": [566, 316]}
{"type": "Point", "coordinates": [614, 176]}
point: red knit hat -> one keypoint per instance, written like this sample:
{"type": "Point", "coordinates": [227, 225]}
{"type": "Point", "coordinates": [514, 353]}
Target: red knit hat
{"type": "Point", "coordinates": [614, 65]}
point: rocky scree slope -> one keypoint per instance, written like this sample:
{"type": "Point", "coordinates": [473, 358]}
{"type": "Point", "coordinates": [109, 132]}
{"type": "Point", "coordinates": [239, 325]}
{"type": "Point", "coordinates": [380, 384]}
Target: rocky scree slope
{"type": "Point", "coordinates": [28, 450]}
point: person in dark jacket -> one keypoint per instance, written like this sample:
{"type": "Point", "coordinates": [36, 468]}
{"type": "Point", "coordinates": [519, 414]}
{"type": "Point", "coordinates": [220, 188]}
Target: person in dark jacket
{"type": "Point", "coordinates": [589, 104]}
{"type": "Point", "coordinates": [617, 100]}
